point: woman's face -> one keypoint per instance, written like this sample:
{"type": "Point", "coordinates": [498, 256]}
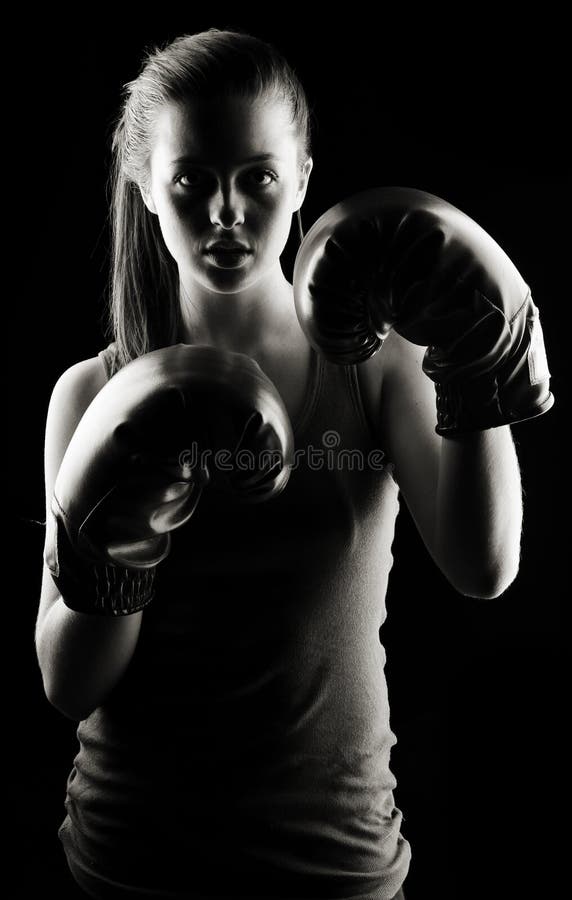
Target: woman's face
{"type": "Point", "coordinates": [226, 170]}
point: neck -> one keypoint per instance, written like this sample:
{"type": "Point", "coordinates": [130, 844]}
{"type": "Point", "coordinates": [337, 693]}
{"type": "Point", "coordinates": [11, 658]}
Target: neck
{"type": "Point", "coordinates": [242, 321]}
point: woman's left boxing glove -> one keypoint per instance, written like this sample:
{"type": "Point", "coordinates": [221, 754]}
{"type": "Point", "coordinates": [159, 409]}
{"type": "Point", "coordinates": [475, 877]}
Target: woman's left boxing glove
{"type": "Point", "coordinates": [404, 259]}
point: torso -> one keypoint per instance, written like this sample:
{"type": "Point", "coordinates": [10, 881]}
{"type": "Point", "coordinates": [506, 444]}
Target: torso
{"type": "Point", "coordinates": [288, 366]}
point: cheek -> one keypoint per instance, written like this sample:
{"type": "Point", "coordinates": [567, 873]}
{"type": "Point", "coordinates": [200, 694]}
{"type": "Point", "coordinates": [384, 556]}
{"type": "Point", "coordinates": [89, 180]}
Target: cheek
{"type": "Point", "coordinates": [279, 236]}
{"type": "Point", "coordinates": [178, 223]}
{"type": "Point", "coordinates": [276, 217]}
{"type": "Point", "coordinates": [183, 224]}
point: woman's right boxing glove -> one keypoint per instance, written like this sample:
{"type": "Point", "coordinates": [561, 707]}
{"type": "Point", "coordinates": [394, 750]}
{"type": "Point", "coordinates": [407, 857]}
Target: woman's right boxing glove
{"type": "Point", "coordinates": [139, 459]}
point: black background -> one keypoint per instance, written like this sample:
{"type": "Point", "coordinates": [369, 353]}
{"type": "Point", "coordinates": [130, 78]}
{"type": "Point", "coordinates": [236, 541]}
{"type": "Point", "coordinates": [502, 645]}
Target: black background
{"type": "Point", "coordinates": [461, 108]}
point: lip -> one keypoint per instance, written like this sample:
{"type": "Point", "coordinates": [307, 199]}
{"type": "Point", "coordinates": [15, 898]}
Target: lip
{"type": "Point", "coordinates": [228, 246]}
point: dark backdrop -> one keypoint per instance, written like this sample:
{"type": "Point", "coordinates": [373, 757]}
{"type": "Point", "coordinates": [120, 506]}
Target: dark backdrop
{"type": "Point", "coordinates": [462, 109]}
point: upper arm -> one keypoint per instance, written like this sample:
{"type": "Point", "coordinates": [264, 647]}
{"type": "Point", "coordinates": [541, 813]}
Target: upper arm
{"type": "Point", "coordinates": [408, 419]}
{"type": "Point", "coordinates": [71, 395]}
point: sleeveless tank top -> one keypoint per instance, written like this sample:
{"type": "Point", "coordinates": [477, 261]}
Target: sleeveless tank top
{"type": "Point", "coordinates": [246, 750]}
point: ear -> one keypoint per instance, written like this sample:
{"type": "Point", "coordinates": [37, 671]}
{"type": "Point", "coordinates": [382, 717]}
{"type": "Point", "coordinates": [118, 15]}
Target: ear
{"type": "Point", "coordinates": [303, 183]}
{"type": "Point", "coordinates": [148, 199]}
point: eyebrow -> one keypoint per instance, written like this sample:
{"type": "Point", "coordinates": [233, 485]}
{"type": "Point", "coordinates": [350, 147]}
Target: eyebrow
{"type": "Point", "coordinates": [260, 157]}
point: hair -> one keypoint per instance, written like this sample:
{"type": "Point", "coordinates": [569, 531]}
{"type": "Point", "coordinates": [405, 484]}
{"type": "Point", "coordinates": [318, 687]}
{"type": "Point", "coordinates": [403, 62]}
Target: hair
{"type": "Point", "coordinates": [143, 309]}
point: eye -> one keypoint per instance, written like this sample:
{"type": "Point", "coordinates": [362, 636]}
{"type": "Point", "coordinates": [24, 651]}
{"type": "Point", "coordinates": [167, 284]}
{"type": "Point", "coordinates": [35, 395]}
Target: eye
{"type": "Point", "coordinates": [188, 179]}
{"type": "Point", "coordinates": [194, 179]}
{"type": "Point", "coordinates": [264, 173]}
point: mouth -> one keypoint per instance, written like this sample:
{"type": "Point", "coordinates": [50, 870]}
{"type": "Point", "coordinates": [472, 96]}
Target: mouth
{"type": "Point", "coordinates": [228, 257]}
{"type": "Point", "coordinates": [227, 245]}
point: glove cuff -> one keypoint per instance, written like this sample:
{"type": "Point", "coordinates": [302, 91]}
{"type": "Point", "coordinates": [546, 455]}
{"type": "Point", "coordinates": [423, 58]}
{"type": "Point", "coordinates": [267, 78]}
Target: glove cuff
{"type": "Point", "coordinates": [516, 391]}
{"type": "Point", "coordinates": [95, 588]}
{"type": "Point", "coordinates": [477, 405]}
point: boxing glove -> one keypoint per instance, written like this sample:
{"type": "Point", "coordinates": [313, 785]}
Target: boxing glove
{"type": "Point", "coordinates": [166, 425]}
{"type": "Point", "coordinates": [400, 258]}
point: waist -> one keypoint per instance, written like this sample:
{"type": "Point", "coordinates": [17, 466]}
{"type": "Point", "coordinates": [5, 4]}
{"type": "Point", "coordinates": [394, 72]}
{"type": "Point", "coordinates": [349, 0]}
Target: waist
{"type": "Point", "coordinates": [201, 884]}
{"type": "Point", "coordinates": [148, 812]}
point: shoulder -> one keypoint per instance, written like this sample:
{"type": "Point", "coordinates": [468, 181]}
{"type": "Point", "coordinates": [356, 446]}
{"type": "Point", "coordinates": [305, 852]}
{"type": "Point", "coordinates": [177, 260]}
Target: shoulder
{"type": "Point", "coordinates": [394, 370]}
{"type": "Point", "coordinates": [72, 393]}
{"type": "Point", "coordinates": [79, 383]}
{"type": "Point", "coordinates": [406, 419]}
{"type": "Point", "coordinates": [396, 358]}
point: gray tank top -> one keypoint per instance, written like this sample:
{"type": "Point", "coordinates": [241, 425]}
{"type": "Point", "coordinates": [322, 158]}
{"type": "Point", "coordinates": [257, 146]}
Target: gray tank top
{"type": "Point", "coordinates": [247, 748]}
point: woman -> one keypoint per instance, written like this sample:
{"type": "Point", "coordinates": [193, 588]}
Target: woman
{"type": "Point", "coordinates": [234, 725]}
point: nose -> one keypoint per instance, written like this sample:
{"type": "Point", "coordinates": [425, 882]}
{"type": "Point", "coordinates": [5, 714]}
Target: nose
{"type": "Point", "coordinates": [227, 207]}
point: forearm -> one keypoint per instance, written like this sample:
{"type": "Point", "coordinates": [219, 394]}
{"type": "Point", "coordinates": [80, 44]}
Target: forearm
{"type": "Point", "coordinates": [479, 511]}
{"type": "Point", "coordinates": [83, 656]}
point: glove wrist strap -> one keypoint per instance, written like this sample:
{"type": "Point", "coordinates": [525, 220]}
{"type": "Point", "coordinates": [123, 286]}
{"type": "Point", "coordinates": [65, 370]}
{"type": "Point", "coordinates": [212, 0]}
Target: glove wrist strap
{"type": "Point", "coordinates": [96, 588]}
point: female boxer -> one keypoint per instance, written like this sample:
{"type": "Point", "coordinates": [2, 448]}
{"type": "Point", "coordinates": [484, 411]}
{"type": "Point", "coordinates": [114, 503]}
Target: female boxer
{"type": "Point", "coordinates": [222, 657]}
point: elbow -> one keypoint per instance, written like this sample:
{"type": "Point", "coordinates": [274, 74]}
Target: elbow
{"type": "Point", "coordinates": [68, 706]}
{"type": "Point", "coordinates": [481, 572]}
{"type": "Point", "coordinates": [59, 695]}
{"type": "Point", "coordinates": [69, 710]}
{"type": "Point", "coordinates": [485, 584]}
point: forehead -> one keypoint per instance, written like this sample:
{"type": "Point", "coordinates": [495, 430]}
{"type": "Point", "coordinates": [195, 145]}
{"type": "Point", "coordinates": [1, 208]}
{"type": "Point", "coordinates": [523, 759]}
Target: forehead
{"type": "Point", "coordinates": [223, 129]}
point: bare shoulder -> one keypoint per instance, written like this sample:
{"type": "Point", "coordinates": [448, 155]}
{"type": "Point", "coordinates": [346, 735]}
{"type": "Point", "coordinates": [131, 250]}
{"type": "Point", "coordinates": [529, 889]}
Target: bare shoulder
{"type": "Point", "coordinates": [406, 419]}
{"type": "Point", "coordinates": [383, 377]}
{"type": "Point", "coordinates": [400, 354]}
{"type": "Point", "coordinates": [407, 401]}
{"type": "Point", "coordinates": [72, 393]}
{"type": "Point", "coordinates": [80, 382]}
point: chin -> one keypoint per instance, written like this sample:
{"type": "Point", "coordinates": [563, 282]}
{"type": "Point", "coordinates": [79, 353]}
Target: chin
{"type": "Point", "coordinates": [243, 276]}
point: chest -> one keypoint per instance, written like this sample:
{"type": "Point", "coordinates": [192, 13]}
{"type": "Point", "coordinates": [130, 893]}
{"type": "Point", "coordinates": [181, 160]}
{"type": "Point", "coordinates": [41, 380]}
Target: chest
{"type": "Point", "coordinates": [289, 368]}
